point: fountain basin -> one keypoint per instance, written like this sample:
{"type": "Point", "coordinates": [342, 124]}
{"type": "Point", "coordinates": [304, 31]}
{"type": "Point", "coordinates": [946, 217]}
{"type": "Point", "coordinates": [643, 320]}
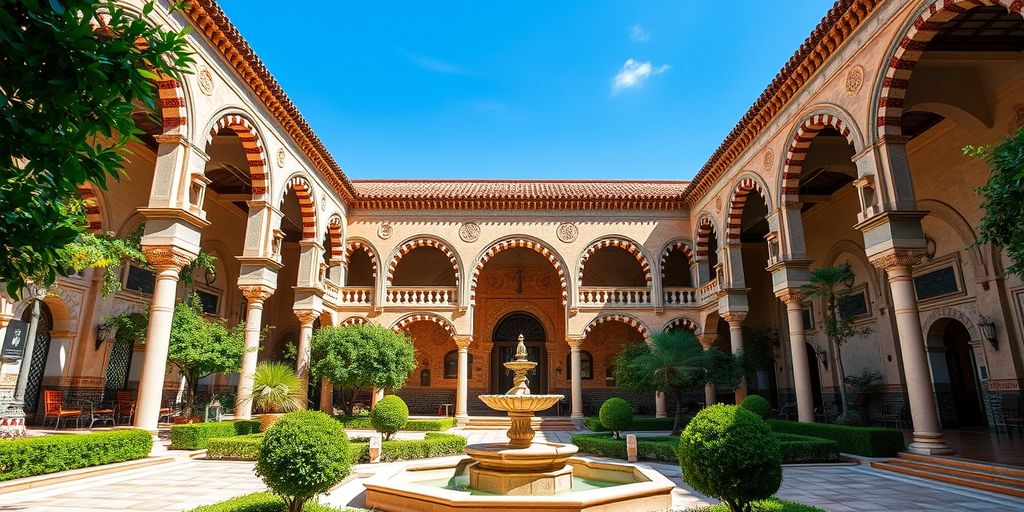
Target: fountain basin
{"type": "Point", "coordinates": [537, 456]}
{"type": "Point", "coordinates": [596, 486]}
{"type": "Point", "coordinates": [520, 403]}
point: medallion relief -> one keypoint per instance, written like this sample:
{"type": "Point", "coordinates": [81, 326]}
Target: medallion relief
{"type": "Point", "coordinates": [567, 233]}
{"type": "Point", "coordinates": [469, 232]}
{"type": "Point", "coordinates": [854, 80]}
{"type": "Point", "coordinates": [205, 78]}
{"type": "Point", "coordinates": [385, 231]}
{"type": "Point", "coordinates": [281, 157]}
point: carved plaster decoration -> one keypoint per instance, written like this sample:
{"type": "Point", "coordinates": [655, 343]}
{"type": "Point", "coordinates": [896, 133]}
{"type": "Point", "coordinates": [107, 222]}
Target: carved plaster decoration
{"type": "Point", "coordinates": [469, 232]}
{"type": "Point", "coordinates": [790, 295]}
{"type": "Point", "coordinates": [462, 341]}
{"type": "Point", "coordinates": [854, 80]}
{"type": "Point", "coordinates": [281, 157]}
{"type": "Point", "coordinates": [306, 316]}
{"type": "Point", "coordinates": [567, 232]}
{"type": "Point", "coordinates": [385, 231]}
{"type": "Point", "coordinates": [769, 157]}
{"type": "Point", "coordinates": [718, 204]}
{"type": "Point", "coordinates": [731, 317]}
{"type": "Point", "coordinates": [256, 293]}
{"type": "Point", "coordinates": [205, 78]}
{"type": "Point", "coordinates": [897, 259]}
{"type": "Point", "coordinates": [167, 257]}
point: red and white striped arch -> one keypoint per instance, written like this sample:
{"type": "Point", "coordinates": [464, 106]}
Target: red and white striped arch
{"type": "Point", "coordinates": [335, 238]}
{"type": "Point", "coordinates": [896, 78]}
{"type": "Point", "coordinates": [705, 228]}
{"type": "Point", "coordinates": [512, 243]}
{"type": "Point", "coordinates": [625, 319]}
{"type": "Point", "coordinates": [406, 321]}
{"type": "Point", "coordinates": [253, 146]}
{"type": "Point", "coordinates": [354, 320]}
{"type": "Point", "coordinates": [621, 243]}
{"type": "Point", "coordinates": [676, 245]}
{"type": "Point", "coordinates": [797, 151]}
{"type": "Point", "coordinates": [416, 243]}
{"type": "Point", "coordinates": [92, 207]}
{"type": "Point", "coordinates": [683, 322]}
{"type": "Point", "coordinates": [304, 192]}
{"type": "Point", "coordinates": [358, 245]}
{"type": "Point", "coordinates": [171, 98]}
{"type": "Point", "coordinates": [743, 188]}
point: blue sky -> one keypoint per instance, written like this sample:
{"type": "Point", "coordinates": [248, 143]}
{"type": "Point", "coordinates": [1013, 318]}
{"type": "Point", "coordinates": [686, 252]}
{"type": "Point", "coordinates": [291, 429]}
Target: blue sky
{"type": "Point", "coordinates": [528, 89]}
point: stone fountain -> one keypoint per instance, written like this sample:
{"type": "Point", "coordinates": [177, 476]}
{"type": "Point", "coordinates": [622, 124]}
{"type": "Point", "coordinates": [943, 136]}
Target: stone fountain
{"type": "Point", "coordinates": [520, 474]}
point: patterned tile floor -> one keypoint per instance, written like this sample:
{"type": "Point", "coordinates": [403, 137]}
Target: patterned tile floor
{"type": "Point", "coordinates": [186, 483]}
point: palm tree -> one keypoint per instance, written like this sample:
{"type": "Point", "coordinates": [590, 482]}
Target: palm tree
{"type": "Point", "coordinates": [829, 284]}
{"type": "Point", "coordinates": [276, 389]}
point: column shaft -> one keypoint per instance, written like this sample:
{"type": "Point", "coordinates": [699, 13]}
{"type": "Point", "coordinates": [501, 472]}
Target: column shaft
{"type": "Point", "coordinates": [577, 381]}
{"type": "Point", "coordinates": [302, 352]}
{"type": "Point", "coordinates": [463, 392]}
{"type": "Point", "coordinates": [659, 405]}
{"type": "Point", "coordinates": [801, 369]}
{"type": "Point", "coordinates": [158, 338]}
{"type": "Point", "coordinates": [735, 321]}
{"type": "Point", "coordinates": [253, 323]}
{"type": "Point", "coordinates": [326, 396]}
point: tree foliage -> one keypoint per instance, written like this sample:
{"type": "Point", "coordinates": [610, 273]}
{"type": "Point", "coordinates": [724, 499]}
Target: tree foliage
{"type": "Point", "coordinates": [74, 72]}
{"type": "Point", "coordinates": [359, 357]}
{"type": "Point", "coordinates": [277, 388]}
{"type": "Point", "coordinates": [1003, 197]}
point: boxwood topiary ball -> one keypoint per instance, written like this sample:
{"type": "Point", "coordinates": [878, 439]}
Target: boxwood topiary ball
{"type": "Point", "coordinates": [616, 415]}
{"type": "Point", "coordinates": [730, 453]}
{"type": "Point", "coordinates": [389, 415]}
{"type": "Point", "coordinates": [757, 405]}
{"type": "Point", "coordinates": [303, 454]}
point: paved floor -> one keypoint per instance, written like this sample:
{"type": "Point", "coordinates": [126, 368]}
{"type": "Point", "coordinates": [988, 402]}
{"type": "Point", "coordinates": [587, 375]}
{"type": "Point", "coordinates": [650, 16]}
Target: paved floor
{"type": "Point", "coordinates": [186, 483]}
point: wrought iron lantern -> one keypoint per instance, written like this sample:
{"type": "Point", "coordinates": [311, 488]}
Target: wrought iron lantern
{"type": "Point", "coordinates": [213, 410]}
{"type": "Point", "coordinates": [103, 332]}
{"type": "Point", "coordinates": [988, 331]}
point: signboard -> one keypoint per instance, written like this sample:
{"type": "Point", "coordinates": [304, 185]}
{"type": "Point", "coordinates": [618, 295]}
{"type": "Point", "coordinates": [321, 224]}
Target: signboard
{"type": "Point", "coordinates": [375, 448]}
{"type": "Point", "coordinates": [631, 448]}
{"type": "Point", "coordinates": [15, 339]}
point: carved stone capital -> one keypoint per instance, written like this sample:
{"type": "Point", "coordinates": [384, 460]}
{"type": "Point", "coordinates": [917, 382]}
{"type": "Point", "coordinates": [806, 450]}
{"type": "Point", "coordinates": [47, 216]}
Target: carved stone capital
{"type": "Point", "coordinates": [790, 295]}
{"type": "Point", "coordinates": [163, 257]}
{"type": "Point", "coordinates": [256, 293]}
{"type": "Point", "coordinates": [306, 316]}
{"type": "Point", "coordinates": [732, 317]}
{"type": "Point", "coordinates": [463, 341]}
{"type": "Point", "coordinates": [707, 340]}
{"type": "Point", "coordinates": [897, 258]}
{"type": "Point", "coordinates": [575, 343]}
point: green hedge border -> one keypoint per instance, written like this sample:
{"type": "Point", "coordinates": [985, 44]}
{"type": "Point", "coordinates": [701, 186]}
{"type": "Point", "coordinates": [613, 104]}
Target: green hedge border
{"type": "Point", "coordinates": [434, 444]}
{"type": "Point", "coordinates": [865, 441]}
{"type": "Point", "coordinates": [265, 502]}
{"type": "Point", "coordinates": [413, 425]}
{"type": "Point", "coordinates": [795, 449]}
{"type": "Point", "coordinates": [33, 456]}
{"type": "Point", "coordinates": [195, 436]}
{"type": "Point", "coordinates": [768, 505]}
{"type": "Point", "coordinates": [639, 424]}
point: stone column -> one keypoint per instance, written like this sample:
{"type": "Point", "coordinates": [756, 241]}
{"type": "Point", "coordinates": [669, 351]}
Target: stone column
{"type": "Point", "coordinates": [575, 345]}
{"type": "Point", "coordinates": [927, 429]}
{"type": "Point", "coordinates": [793, 298]}
{"type": "Point", "coordinates": [659, 405]}
{"type": "Point", "coordinates": [707, 341]}
{"type": "Point", "coordinates": [255, 296]}
{"type": "Point", "coordinates": [735, 320]}
{"type": "Point", "coordinates": [306, 318]}
{"type": "Point", "coordinates": [462, 394]}
{"type": "Point", "coordinates": [168, 262]}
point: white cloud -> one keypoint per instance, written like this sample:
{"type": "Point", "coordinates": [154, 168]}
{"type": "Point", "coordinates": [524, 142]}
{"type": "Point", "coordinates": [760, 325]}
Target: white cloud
{"type": "Point", "coordinates": [639, 34]}
{"type": "Point", "coordinates": [634, 74]}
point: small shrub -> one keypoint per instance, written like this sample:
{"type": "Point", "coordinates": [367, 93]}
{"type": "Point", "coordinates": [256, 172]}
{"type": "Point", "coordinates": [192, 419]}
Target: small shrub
{"type": "Point", "coordinates": [656, 448]}
{"type": "Point", "coordinates": [235, 448]}
{"type": "Point", "coordinates": [195, 436]}
{"type": "Point", "coordinates": [757, 405]}
{"type": "Point", "coordinates": [304, 454]}
{"type": "Point", "coordinates": [768, 505]}
{"type": "Point", "coordinates": [730, 453]}
{"type": "Point", "coordinates": [865, 441]}
{"type": "Point", "coordinates": [413, 425]}
{"type": "Point", "coordinates": [640, 423]}
{"type": "Point", "coordinates": [797, 449]}
{"type": "Point", "coordinates": [389, 415]}
{"type": "Point", "coordinates": [41, 455]}
{"type": "Point", "coordinates": [616, 415]}
{"type": "Point", "coordinates": [264, 502]}
{"type": "Point", "coordinates": [435, 444]}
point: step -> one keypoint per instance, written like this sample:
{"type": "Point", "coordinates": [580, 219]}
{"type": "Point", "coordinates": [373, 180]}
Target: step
{"type": "Point", "coordinates": [974, 483]}
{"type": "Point", "coordinates": [975, 465]}
{"type": "Point", "coordinates": [958, 471]}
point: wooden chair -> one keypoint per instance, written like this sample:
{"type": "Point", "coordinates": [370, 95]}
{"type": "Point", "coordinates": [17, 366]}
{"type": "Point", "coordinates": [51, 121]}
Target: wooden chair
{"type": "Point", "coordinates": [124, 405]}
{"type": "Point", "coordinates": [898, 417]}
{"type": "Point", "coordinates": [53, 402]}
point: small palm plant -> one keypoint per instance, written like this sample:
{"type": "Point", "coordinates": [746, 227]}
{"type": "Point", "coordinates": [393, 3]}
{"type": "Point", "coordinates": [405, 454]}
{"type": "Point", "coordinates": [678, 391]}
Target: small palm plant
{"type": "Point", "coordinates": [276, 389]}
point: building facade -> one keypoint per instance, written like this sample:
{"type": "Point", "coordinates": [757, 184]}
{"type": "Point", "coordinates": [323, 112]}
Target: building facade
{"type": "Point", "coordinates": [850, 156]}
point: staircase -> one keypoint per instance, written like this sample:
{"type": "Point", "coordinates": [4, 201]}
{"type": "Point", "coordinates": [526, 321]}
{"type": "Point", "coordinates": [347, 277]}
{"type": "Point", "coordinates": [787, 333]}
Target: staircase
{"type": "Point", "coordinates": [538, 423]}
{"type": "Point", "coordinates": [986, 476]}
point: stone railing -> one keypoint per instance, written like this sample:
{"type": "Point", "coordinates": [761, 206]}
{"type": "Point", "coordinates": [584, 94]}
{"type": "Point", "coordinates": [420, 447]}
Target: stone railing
{"type": "Point", "coordinates": [422, 295]}
{"type": "Point", "coordinates": [615, 296]}
{"type": "Point", "coordinates": [356, 296]}
{"type": "Point", "coordinates": [679, 296]}
{"type": "Point", "coordinates": [708, 291]}
{"type": "Point", "coordinates": [332, 292]}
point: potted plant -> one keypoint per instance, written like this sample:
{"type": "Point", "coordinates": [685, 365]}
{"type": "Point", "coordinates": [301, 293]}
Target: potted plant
{"type": "Point", "coordinates": [276, 389]}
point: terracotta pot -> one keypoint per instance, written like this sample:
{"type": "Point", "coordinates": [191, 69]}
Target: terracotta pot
{"type": "Point", "coordinates": [268, 419]}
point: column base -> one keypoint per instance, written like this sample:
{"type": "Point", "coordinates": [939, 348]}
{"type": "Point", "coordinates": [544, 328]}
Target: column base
{"type": "Point", "coordinates": [661, 415]}
{"type": "Point", "coordinates": [926, 443]}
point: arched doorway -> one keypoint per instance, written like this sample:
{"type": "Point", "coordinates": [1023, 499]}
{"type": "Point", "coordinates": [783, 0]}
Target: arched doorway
{"type": "Point", "coordinates": [40, 355]}
{"type": "Point", "coordinates": [505, 338]}
{"type": "Point", "coordinates": [954, 375]}
{"type": "Point", "coordinates": [812, 364]}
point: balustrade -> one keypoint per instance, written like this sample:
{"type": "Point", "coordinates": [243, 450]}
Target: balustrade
{"type": "Point", "coordinates": [356, 295]}
{"type": "Point", "coordinates": [618, 296]}
{"type": "Point", "coordinates": [678, 296]}
{"type": "Point", "coordinates": [708, 291]}
{"type": "Point", "coordinates": [423, 296]}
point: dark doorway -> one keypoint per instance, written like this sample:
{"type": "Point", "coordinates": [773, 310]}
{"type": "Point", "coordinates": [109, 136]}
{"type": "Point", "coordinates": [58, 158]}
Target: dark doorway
{"type": "Point", "coordinates": [506, 338]}
{"type": "Point", "coordinates": [962, 378]}
{"type": "Point", "coordinates": [812, 363]}
{"type": "Point", "coordinates": [37, 366]}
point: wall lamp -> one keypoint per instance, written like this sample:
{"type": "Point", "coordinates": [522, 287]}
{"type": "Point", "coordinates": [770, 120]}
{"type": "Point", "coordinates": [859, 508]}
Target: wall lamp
{"type": "Point", "coordinates": [823, 357]}
{"type": "Point", "coordinates": [988, 331]}
{"type": "Point", "coordinates": [103, 331]}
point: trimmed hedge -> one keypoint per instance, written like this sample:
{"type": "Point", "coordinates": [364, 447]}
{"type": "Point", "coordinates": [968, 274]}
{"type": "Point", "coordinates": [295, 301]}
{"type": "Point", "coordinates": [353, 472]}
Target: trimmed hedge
{"type": "Point", "coordinates": [798, 449]}
{"type": "Point", "coordinates": [32, 456]}
{"type": "Point", "coordinates": [413, 425]}
{"type": "Point", "coordinates": [865, 441]}
{"type": "Point", "coordinates": [639, 424]}
{"type": "Point", "coordinates": [265, 502]}
{"type": "Point", "coordinates": [768, 505]}
{"type": "Point", "coordinates": [660, 448]}
{"type": "Point", "coordinates": [435, 444]}
{"type": "Point", "coordinates": [195, 436]}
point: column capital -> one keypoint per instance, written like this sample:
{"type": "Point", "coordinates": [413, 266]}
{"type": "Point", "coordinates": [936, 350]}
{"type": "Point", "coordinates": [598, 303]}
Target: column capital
{"type": "Point", "coordinates": [791, 296]}
{"type": "Point", "coordinates": [897, 258]}
{"type": "Point", "coordinates": [168, 256]}
{"type": "Point", "coordinates": [306, 316]}
{"type": "Point", "coordinates": [463, 341]}
{"type": "Point", "coordinates": [575, 342]}
{"type": "Point", "coordinates": [707, 340]}
{"type": "Point", "coordinates": [256, 293]}
{"type": "Point", "coordinates": [734, 316]}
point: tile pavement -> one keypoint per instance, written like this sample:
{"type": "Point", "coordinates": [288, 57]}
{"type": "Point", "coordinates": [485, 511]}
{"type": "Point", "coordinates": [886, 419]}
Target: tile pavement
{"type": "Point", "coordinates": [186, 483]}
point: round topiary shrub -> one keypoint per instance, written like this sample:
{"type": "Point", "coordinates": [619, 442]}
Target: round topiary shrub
{"type": "Point", "coordinates": [616, 415]}
{"type": "Point", "coordinates": [303, 454]}
{"type": "Point", "coordinates": [757, 405]}
{"type": "Point", "coordinates": [730, 453]}
{"type": "Point", "coordinates": [389, 415]}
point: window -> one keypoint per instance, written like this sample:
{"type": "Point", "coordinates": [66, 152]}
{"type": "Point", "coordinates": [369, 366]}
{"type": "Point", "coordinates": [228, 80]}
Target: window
{"type": "Point", "coordinates": [586, 365]}
{"type": "Point", "coordinates": [451, 365]}
{"type": "Point", "coordinates": [140, 280]}
{"type": "Point", "coordinates": [854, 304]}
{"type": "Point", "coordinates": [808, 317]}
{"type": "Point", "coordinates": [936, 283]}
{"type": "Point", "coordinates": [425, 378]}
{"type": "Point", "coordinates": [609, 375]}
{"type": "Point", "coordinates": [208, 302]}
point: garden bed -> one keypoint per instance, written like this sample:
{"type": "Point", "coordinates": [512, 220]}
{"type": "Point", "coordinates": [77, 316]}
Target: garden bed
{"type": "Point", "coordinates": [768, 505]}
{"type": "Point", "coordinates": [265, 502]}
{"type": "Point", "coordinates": [795, 449]}
{"type": "Point", "coordinates": [435, 444]}
{"type": "Point", "coordinates": [33, 456]}
{"type": "Point", "coordinates": [865, 441]}
{"type": "Point", "coordinates": [639, 424]}
{"type": "Point", "coordinates": [362, 422]}
{"type": "Point", "coordinates": [195, 436]}
{"type": "Point", "coordinates": [798, 449]}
